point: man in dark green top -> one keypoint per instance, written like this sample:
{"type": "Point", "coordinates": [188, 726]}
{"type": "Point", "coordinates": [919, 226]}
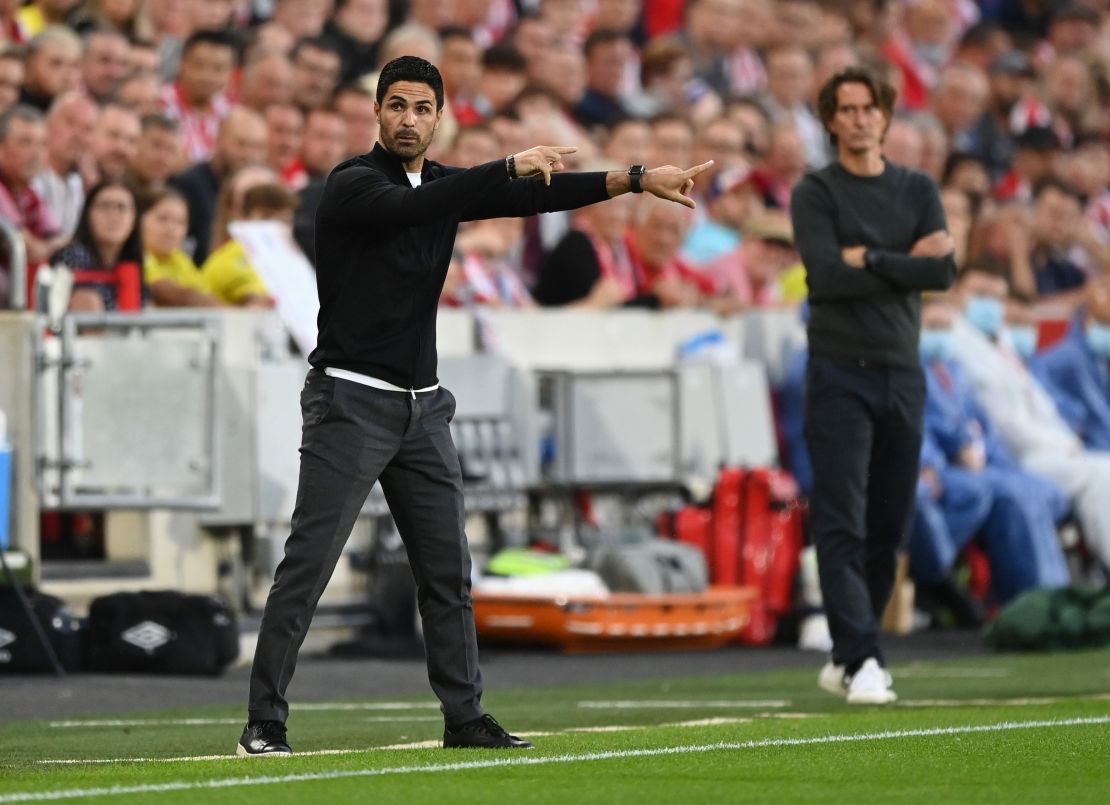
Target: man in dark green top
{"type": "Point", "coordinates": [872, 236]}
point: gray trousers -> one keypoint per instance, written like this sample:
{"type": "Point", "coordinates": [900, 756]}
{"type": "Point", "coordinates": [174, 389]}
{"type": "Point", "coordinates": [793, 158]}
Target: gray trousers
{"type": "Point", "coordinates": [352, 436]}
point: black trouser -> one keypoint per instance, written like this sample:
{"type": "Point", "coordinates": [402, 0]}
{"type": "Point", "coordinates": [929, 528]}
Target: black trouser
{"type": "Point", "coordinates": [863, 426]}
{"type": "Point", "coordinates": [354, 435]}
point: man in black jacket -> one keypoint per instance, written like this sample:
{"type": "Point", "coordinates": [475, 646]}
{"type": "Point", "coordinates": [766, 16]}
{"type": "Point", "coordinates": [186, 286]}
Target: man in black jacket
{"type": "Point", "coordinates": [372, 405]}
{"type": "Point", "coordinates": [872, 236]}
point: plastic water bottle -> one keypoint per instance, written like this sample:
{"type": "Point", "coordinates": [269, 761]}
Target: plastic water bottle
{"type": "Point", "coordinates": [5, 482]}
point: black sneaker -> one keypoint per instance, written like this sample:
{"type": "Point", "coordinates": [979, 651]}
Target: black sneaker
{"type": "Point", "coordinates": [482, 733]}
{"type": "Point", "coordinates": [263, 738]}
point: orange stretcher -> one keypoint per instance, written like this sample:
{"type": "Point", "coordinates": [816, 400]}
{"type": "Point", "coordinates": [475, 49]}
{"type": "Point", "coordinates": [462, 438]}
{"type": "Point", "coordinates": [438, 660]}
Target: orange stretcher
{"type": "Point", "coordinates": [617, 622]}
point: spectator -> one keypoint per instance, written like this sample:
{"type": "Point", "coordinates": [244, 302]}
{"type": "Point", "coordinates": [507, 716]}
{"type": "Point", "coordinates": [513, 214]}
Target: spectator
{"type": "Point", "coordinates": [229, 271]}
{"type": "Point", "coordinates": [286, 134]}
{"type": "Point", "coordinates": [209, 15]}
{"type": "Point", "coordinates": [60, 185]}
{"type": "Point", "coordinates": [749, 115]}
{"type": "Point", "coordinates": [11, 31]}
{"type": "Point", "coordinates": [1074, 28]}
{"type": "Point", "coordinates": [748, 275]}
{"type": "Point", "coordinates": [934, 145]}
{"type": "Point", "coordinates": [11, 77]}
{"type": "Point", "coordinates": [971, 467]}
{"type": "Point", "coordinates": [903, 144]}
{"type": "Point", "coordinates": [1078, 369]}
{"type": "Point", "coordinates": [982, 43]}
{"type": "Point", "coordinates": [1025, 417]}
{"type": "Point", "coordinates": [669, 84]}
{"type": "Point", "coordinates": [241, 140]}
{"type": "Point", "coordinates": [474, 145]}
{"type": "Point", "coordinates": [714, 37]}
{"type": "Point", "coordinates": [115, 140]}
{"type": "Point", "coordinates": [267, 80]}
{"type": "Point", "coordinates": [591, 267]}
{"type": "Point", "coordinates": [960, 100]}
{"type": "Point", "coordinates": [721, 141]}
{"type": "Point", "coordinates": [356, 28]}
{"type": "Point", "coordinates": [789, 88]}
{"type": "Point", "coordinates": [325, 142]}
{"type": "Point", "coordinates": [107, 235]}
{"type": "Point", "coordinates": [105, 14]}
{"type": "Point", "coordinates": [355, 104]}
{"type": "Point", "coordinates": [141, 93]}
{"type": "Point", "coordinates": [566, 73]}
{"type": "Point", "coordinates": [158, 157]}
{"type": "Point", "coordinates": [169, 273]}
{"type": "Point", "coordinates": [433, 14]}
{"type": "Point", "coordinates": [628, 142]}
{"type": "Point", "coordinates": [672, 139]}
{"type": "Point", "coordinates": [1034, 161]}
{"type": "Point", "coordinates": [967, 172]}
{"type": "Point", "coordinates": [734, 197]}
{"type": "Point", "coordinates": [410, 39]}
{"type": "Point", "coordinates": [301, 18]}
{"type": "Point", "coordinates": [487, 271]}
{"type": "Point", "coordinates": [23, 155]}
{"type": "Point", "coordinates": [785, 164]}
{"type": "Point", "coordinates": [654, 242]}
{"type": "Point", "coordinates": [35, 16]}
{"type": "Point", "coordinates": [534, 37]}
{"type": "Point", "coordinates": [198, 99]}
{"type": "Point", "coordinates": [53, 67]}
{"type": "Point", "coordinates": [607, 53]}
{"type": "Point", "coordinates": [503, 77]}
{"type": "Point", "coordinates": [143, 57]}
{"type": "Point", "coordinates": [1066, 248]}
{"type": "Point", "coordinates": [1070, 94]}
{"type": "Point", "coordinates": [316, 71]}
{"type": "Point", "coordinates": [104, 62]}
{"type": "Point", "coordinates": [229, 204]}
{"type": "Point", "coordinates": [959, 215]}
{"type": "Point", "coordinates": [461, 65]}
{"type": "Point", "coordinates": [1010, 80]}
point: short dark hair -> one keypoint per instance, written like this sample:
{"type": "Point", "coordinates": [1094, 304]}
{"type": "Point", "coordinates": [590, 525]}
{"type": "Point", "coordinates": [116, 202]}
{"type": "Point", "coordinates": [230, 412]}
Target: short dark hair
{"type": "Point", "coordinates": [1059, 185]}
{"type": "Point", "coordinates": [271, 196]}
{"type": "Point", "coordinates": [504, 57]}
{"type": "Point", "coordinates": [21, 111]}
{"type": "Point", "coordinates": [411, 68]}
{"type": "Point", "coordinates": [316, 43]}
{"type": "Point", "coordinates": [455, 32]}
{"type": "Point", "coordinates": [217, 38]}
{"type": "Point", "coordinates": [882, 93]}
{"type": "Point", "coordinates": [602, 36]}
{"type": "Point", "coordinates": [158, 121]}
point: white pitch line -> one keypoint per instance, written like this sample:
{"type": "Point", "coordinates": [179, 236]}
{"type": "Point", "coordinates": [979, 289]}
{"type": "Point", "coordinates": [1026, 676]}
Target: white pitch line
{"type": "Point", "coordinates": [523, 760]}
{"type": "Point", "coordinates": [952, 673]}
{"type": "Point", "coordinates": [208, 722]}
{"type": "Point", "coordinates": [662, 704]}
{"type": "Point", "coordinates": [1019, 702]}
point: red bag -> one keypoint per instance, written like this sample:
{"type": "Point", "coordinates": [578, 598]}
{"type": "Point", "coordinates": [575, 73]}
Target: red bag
{"type": "Point", "coordinates": [694, 526]}
{"type": "Point", "coordinates": [772, 544]}
{"type": "Point", "coordinates": [724, 558]}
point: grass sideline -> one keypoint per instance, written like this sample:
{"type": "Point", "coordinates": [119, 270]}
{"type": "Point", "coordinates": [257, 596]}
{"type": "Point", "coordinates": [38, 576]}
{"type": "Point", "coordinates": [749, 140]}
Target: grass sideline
{"type": "Point", "coordinates": [1011, 728]}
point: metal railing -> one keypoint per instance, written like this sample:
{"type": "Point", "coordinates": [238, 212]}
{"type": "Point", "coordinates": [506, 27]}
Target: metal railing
{"type": "Point", "coordinates": [17, 264]}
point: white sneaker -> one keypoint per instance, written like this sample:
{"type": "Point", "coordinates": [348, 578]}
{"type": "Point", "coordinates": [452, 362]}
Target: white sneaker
{"type": "Point", "coordinates": [871, 684]}
{"type": "Point", "coordinates": [832, 679]}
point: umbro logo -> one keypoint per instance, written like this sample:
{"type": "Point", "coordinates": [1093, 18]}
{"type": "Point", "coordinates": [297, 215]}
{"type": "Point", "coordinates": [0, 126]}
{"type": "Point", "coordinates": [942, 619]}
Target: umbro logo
{"type": "Point", "coordinates": [148, 636]}
{"type": "Point", "coordinates": [6, 638]}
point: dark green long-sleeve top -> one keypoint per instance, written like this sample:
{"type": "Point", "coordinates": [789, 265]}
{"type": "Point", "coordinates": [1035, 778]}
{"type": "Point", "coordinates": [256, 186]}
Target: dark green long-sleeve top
{"type": "Point", "coordinates": [871, 314]}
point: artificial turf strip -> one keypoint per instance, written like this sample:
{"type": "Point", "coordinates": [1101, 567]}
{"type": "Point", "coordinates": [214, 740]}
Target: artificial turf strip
{"type": "Point", "coordinates": [1018, 765]}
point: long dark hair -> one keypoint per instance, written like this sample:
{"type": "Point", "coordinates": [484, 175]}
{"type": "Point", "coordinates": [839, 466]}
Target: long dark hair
{"type": "Point", "coordinates": [132, 249]}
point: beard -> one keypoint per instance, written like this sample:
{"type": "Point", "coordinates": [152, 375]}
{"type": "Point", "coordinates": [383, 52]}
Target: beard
{"type": "Point", "coordinates": [407, 149]}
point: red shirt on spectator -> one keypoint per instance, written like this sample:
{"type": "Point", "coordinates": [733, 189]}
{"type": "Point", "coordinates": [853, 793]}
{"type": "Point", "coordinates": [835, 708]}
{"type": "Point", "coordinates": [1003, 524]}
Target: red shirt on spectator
{"type": "Point", "coordinates": [675, 269]}
{"type": "Point", "coordinates": [26, 209]}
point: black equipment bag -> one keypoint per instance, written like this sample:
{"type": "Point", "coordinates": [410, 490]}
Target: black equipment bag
{"type": "Point", "coordinates": [20, 650]}
{"type": "Point", "coordinates": [162, 632]}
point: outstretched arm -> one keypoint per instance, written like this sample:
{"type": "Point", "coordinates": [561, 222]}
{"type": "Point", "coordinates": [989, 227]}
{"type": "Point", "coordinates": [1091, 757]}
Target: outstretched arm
{"type": "Point", "coordinates": [527, 195]}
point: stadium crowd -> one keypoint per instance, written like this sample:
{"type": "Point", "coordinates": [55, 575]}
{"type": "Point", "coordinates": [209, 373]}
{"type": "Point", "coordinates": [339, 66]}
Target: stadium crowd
{"type": "Point", "coordinates": [136, 131]}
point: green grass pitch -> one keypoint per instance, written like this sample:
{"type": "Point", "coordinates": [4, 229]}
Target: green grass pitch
{"type": "Point", "coordinates": [1013, 729]}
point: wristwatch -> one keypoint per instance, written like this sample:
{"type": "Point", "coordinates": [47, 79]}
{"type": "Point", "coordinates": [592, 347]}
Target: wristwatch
{"type": "Point", "coordinates": [634, 175]}
{"type": "Point", "coordinates": [870, 258]}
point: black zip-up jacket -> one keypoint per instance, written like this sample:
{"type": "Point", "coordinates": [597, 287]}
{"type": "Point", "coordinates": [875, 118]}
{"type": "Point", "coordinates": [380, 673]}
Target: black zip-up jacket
{"type": "Point", "coordinates": [383, 248]}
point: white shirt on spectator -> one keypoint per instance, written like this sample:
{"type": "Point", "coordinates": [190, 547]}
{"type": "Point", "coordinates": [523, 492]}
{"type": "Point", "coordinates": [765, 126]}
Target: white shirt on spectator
{"type": "Point", "coordinates": [198, 128]}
